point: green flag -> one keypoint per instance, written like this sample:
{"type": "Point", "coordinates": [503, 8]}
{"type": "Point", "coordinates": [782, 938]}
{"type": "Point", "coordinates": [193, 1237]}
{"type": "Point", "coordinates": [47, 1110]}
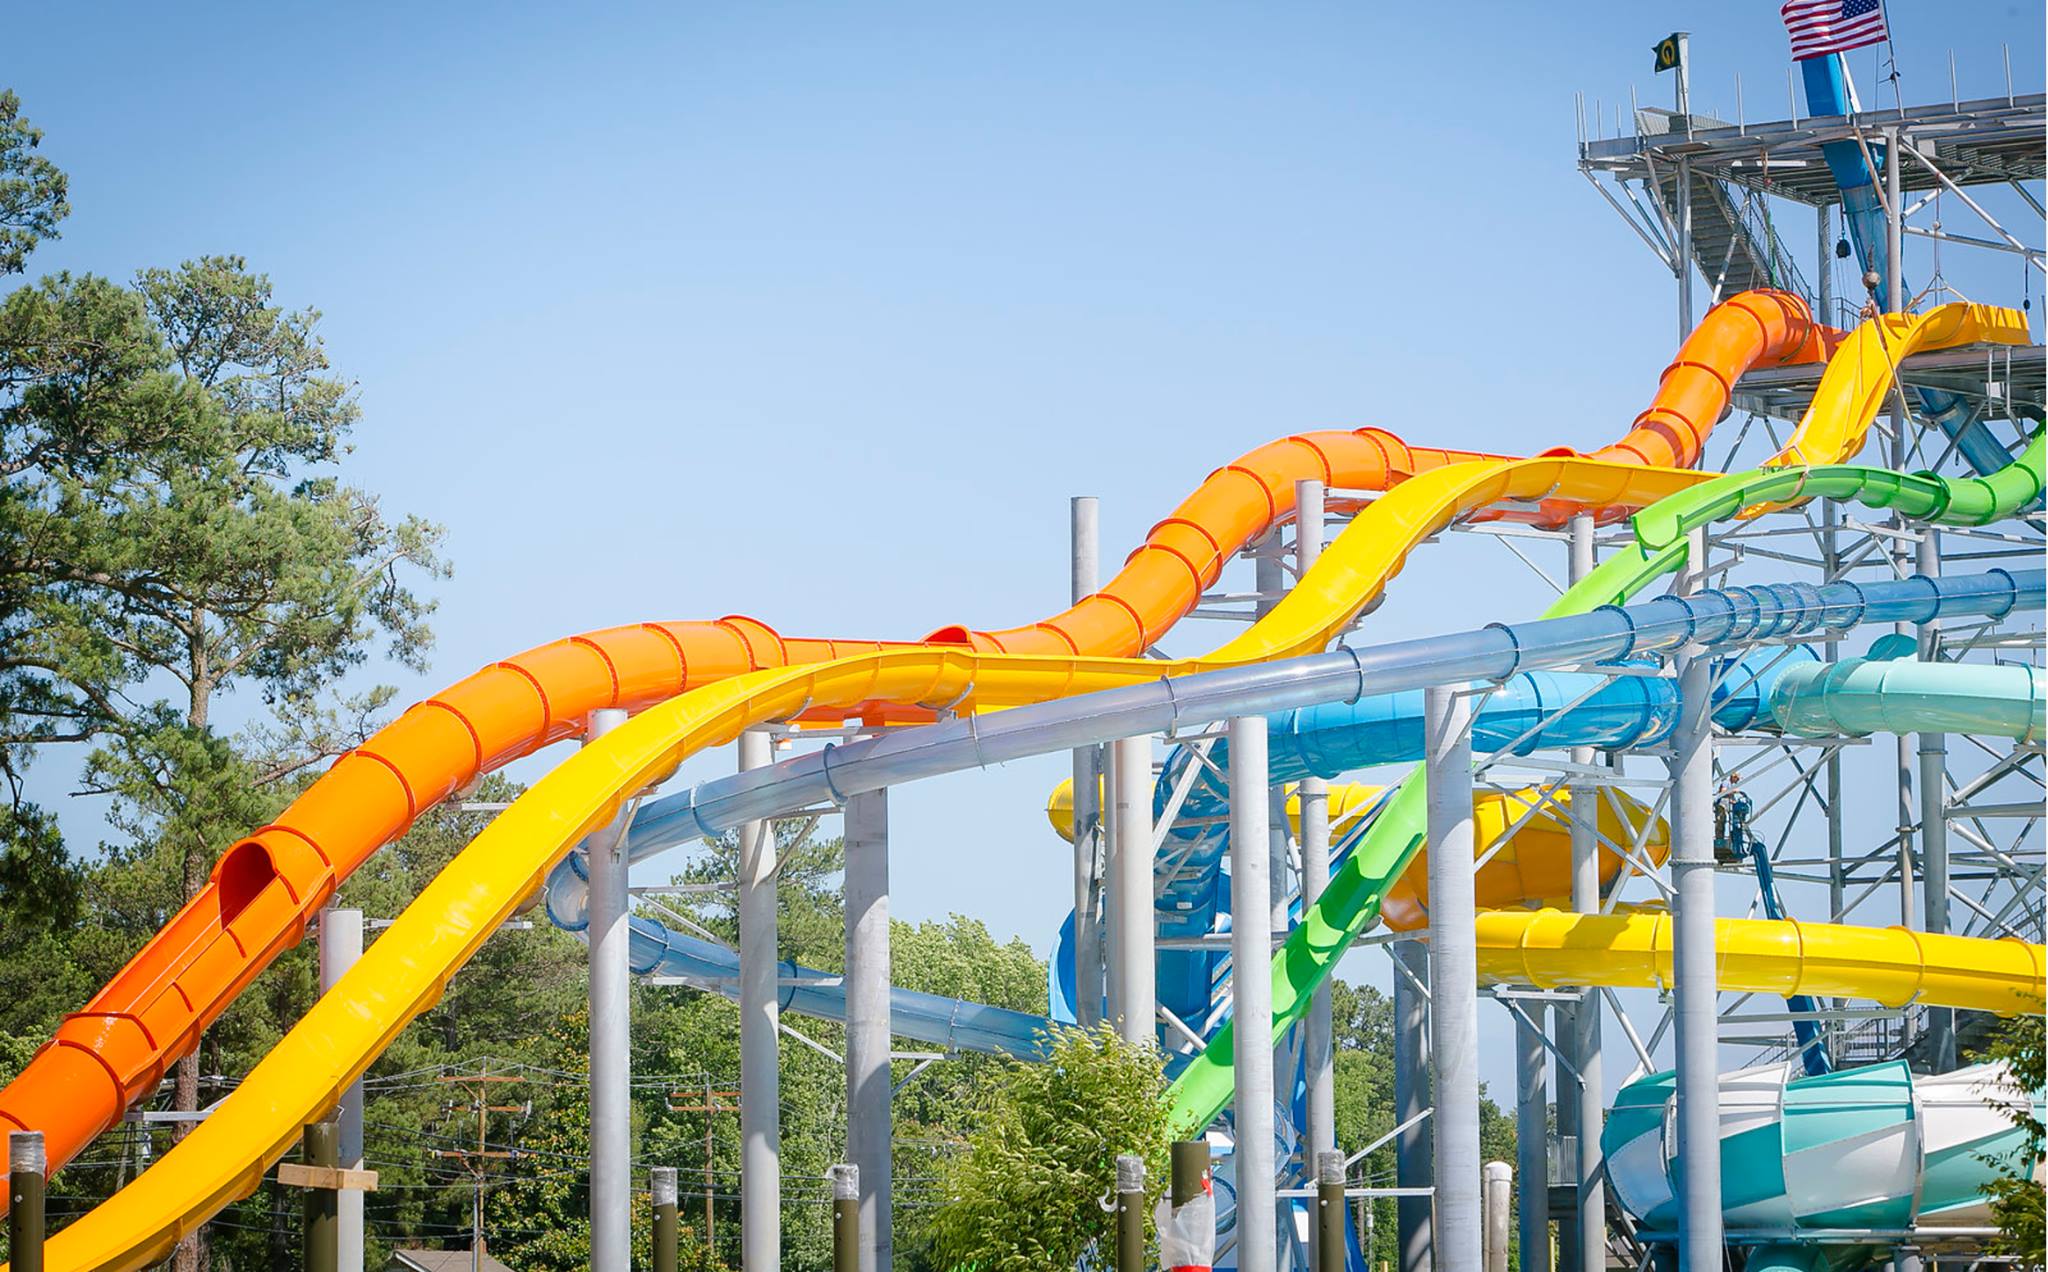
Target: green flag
{"type": "Point", "coordinates": [1667, 53]}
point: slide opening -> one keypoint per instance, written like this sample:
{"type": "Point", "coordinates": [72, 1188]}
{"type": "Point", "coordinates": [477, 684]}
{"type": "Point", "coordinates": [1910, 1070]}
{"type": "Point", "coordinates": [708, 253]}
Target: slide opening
{"type": "Point", "coordinates": [244, 873]}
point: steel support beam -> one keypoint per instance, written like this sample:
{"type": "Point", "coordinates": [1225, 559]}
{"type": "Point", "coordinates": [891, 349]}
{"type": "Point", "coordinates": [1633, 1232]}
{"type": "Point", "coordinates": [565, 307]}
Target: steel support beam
{"type": "Point", "coordinates": [1532, 1141]}
{"type": "Point", "coordinates": [1314, 840]}
{"type": "Point", "coordinates": [1933, 758]}
{"type": "Point", "coordinates": [1453, 975]}
{"type": "Point", "coordinates": [760, 1023]}
{"type": "Point", "coordinates": [869, 1129]}
{"type": "Point", "coordinates": [1588, 1093]}
{"type": "Point", "coordinates": [611, 1052]}
{"type": "Point", "coordinates": [1251, 994]}
{"type": "Point", "coordinates": [1413, 1163]}
{"type": "Point", "coordinates": [1692, 904]}
{"type": "Point", "coordinates": [341, 944]}
{"type": "Point", "coordinates": [1085, 578]}
{"type": "Point", "coordinates": [1130, 892]}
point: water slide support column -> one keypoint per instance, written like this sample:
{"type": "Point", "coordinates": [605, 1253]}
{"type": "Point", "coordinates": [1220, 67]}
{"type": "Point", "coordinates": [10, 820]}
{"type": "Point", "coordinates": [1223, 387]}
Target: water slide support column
{"type": "Point", "coordinates": [1831, 520]}
{"type": "Point", "coordinates": [1086, 577]}
{"type": "Point", "coordinates": [1824, 276]}
{"type": "Point", "coordinates": [1453, 974]}
{"type": "Point", "coordinates": [1413, 1166]}
{"type": "Point", "coordinates": [1692, 904]}
{"type": "Point", "coordinates": [1684, 253]}
{"type": "Point", "coordinates": [760, 1010]}
{"type": "Point", "coordinates": [611, 1056]}
{"type": "Point", "coordinates": [1130, 895]}
{"type": "Point", "coordinates": [1314, 794]}
{"type": "Point", "coordinates": [341, 944]}
{"type": "Point", "coordinates": [1532, 1140]}
{"type": "Point", "coordinates": [1895, 302]}
{"type": "Point", "coordinates": [1589, 1093]}
{"type": "Point", "coordinates": [1270, 581]}
{"type": "Point", "coordinates": [1251, 994]}
{"type": "Point", "coordinates": [868, 1115]}
{"type": "Point", "coordinates": [1941, 1021]}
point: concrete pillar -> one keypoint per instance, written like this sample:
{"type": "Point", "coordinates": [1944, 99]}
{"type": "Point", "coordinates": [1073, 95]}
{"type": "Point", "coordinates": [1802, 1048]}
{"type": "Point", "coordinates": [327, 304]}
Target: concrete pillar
{"type": "Point", "coordinates": [1589, 1095]}
{"type": "Point", "coordinates": [1453, 974]}
{"type": "Point", "coordinates": [1414, 1158]}
{"type": "Point", "coordinates": [1532, 1141]}
{"type": "Point", "coordinates": [1130, 895]}
{"type": "Point", "coordinates": [1499, 1183]}
{"type": "Point", "coordinates": [869, 1129]}
{"type": "Point", "coordinates": [341, 944]}
{"type": "Point", "coordinates": [1251, 991]}
{"type": "Point", "coordinates": [760, 1053]}
{"type": "Point", "coordinates": [1314, 840]}
{"type": "Point", "coordinates": [611, 988]}
{"type": "Point", "coordinates": [1692, 905]}
{"type": "Point", "coordinates": [1086, 573]}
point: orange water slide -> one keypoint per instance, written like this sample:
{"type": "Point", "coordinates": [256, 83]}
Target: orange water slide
{"type": "Point", "coordinates": [266, 887]}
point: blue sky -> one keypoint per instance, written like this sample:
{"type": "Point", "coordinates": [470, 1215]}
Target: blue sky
{"type": "Point", "coordinates": [820, 313]}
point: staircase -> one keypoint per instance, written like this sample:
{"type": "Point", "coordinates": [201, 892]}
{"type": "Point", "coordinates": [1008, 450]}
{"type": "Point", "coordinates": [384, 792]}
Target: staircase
{"type": "Point", "coordinates": [1733, 242]}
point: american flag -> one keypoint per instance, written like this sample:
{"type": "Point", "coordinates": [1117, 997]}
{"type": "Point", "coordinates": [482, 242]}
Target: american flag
{"type": "Point", "coordinates": [1820, 27]}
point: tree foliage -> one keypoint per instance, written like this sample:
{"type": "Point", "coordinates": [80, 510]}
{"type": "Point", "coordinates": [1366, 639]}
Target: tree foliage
{"type": "Point", "coordinates": [32, 189]}
{"type": "Point", "coordinates": [1026, 1195]}
{"type": "Point", "coordinates": [2016, 1194]}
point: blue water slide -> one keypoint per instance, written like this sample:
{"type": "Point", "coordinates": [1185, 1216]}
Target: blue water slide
{"type": "Point", "coordinates": [1827, 93]}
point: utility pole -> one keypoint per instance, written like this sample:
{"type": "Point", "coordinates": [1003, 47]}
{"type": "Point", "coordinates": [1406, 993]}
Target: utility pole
{"type": "Point", "coordinates": [710, 1102]}
{"type": "Point", "coordinates": [478, 1160]}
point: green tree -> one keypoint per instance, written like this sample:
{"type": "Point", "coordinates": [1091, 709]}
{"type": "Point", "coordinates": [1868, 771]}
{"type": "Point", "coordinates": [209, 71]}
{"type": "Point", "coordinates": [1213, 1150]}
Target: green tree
{"type": "Point", "coordinates": [32, 189]}
{"type": "Point", "coordinates": [173, 520]}
{"type": "Point", "coordinates": [2016, 1194]}
{"type": "Point", "coordinates": [1025, 1195]}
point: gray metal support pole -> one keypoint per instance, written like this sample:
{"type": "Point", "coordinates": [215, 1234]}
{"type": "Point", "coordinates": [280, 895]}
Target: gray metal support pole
{"type": "Point", "coordinates": [1130, 894]}
{"type": "Point", "coordinates": [1589, 1094]}
{"type": "Point", "coordinates": [1532, 1140]}
{"type": "Point", "coordinates": [1830, 527]}
{"type": "Point", "coordinates": [1894, 228]}
{"type": "Point", "coordinates": [1453, 974]}
{"type": "Point", "coordinates": [869, 1130]}
{"type": "Point", "coordinates": [1329, 1225]}
{"type": "Point", "coordinates": [1941, 1021]}
{"type": "Point", "coordinates": [1269, 579]}
{"type": "Point", "coordinates": [1682, 81]}
{"type": "Point", "coordinates": [1130, 1213]}
{"type": "Point", "coordinates": [1692, 904]}
{"type": "Point", "coordinates": [321, 1144]}
{"type": "Point", "coordinates": [760, 1054]}
{"type": "Point", "coordinates": [1825, 273]}
{"type": "Point", "coordinates": [1251, 995]}
{"type": "Point", "coordinates": [1684, 253]}
{"type": "Point", "coordinates": [1314, 839]}
{"type": "Point", "coordinates": [1414, 1165]}
{"type": "Point", "coordinates": [1086, 576]}
{"type": "Point", "coordinates": [27, 1177]}
{"type": "Point", "coordinates": [845, 1217]}
{"type": "Point", "coordinates": [1499, 1183]}
{"type": "Point", "coordinates": [1894, 302]}
{"type": "Point", "coordinates": [667, 1218]}
{"type": "Point", "coordinates": [611, 987]}
{"type": "Point", "coordinates": [341, 944]}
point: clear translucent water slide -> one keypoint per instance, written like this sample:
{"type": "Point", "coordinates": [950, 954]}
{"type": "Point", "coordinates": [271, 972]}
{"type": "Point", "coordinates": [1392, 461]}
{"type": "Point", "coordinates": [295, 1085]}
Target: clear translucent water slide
{"type": "Point", "coordinates": [266, 886]}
